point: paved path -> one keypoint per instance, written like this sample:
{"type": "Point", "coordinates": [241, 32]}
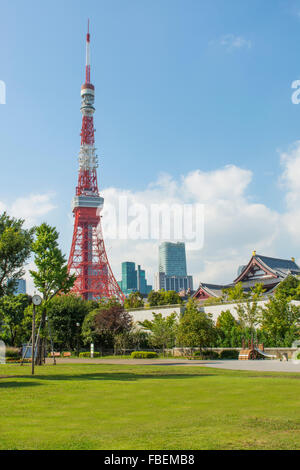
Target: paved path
{"type": "Point", "coordinates": [263, 366]}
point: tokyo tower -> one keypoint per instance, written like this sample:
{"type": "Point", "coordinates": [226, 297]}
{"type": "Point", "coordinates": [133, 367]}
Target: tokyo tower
{"type": "Point", "coordinates": [88, 258]}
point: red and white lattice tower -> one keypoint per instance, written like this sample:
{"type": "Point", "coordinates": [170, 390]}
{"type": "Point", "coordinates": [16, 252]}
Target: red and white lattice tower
{"type": "Point", "coordinates": [88, 258]}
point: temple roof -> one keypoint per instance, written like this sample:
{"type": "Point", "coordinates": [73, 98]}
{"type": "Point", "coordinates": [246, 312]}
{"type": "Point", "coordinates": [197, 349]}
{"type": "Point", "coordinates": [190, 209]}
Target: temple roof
{"type": "Point", "coordinates": [274, 267]}
{"type": "Point", "coordinates": [260, 269]}
{"type": "Point", "coordinates": [215, 290]}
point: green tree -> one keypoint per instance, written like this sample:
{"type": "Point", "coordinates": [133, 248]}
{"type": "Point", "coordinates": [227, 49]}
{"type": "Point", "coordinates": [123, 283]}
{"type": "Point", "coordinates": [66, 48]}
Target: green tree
{"type": "Point", "coordinates": [15, 249]}
{"type": "Point", "coordinates": [51, 276]}
{"type": "Point", "coordinates": [134, 300]}
{"type": "Point", "coordinates": [12, 309]}
{"type": "Point", "coordinates": [104, 325]}
{"type": "Point", "coordinates": [235, 293]}
{"type": "Point", "coordinates": [196, 329]}
{"type": "Point", "coordinates": [247, 304]}
{"type": "Point", "coordinates": [163, 330]}
{"type": "Point", "coordinates": [280, 321]}
{"type": "Point", "coordinates": [66, 314]}
{"type": "Point", "coordinates": [155, 298]}
{"type": "Point", "coordinates": [226, 321]}
{"type": "Point", "coordinates": [162, 297]}
{"type": "Point", "coordinates": [289, 288]}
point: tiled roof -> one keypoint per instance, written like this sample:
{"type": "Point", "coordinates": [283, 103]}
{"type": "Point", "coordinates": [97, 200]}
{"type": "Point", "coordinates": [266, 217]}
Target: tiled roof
{"type": "Point", "coordinates": [279, 265]}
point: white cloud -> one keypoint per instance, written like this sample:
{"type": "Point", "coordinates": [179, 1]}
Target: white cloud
{"type": "Point", "coordinates": [231, 42]}
{"type": "Point", "coordinates": [32, 208]}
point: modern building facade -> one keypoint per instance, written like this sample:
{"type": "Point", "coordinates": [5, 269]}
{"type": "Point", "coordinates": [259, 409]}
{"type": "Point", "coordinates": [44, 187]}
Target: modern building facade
{"type": "Point", "coordinates": [172, 259]}
{"type": "Point", "coordinates": [20, 287]}
{"type": "Point", "coordinates": [172, 273]}
{"type": "Point", "coordinates": [133, 280]}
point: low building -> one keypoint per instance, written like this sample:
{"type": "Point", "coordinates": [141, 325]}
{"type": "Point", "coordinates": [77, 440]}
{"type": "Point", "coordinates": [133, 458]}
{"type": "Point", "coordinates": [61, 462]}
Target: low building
{"type": "Point", "coordinates": [269, 272]}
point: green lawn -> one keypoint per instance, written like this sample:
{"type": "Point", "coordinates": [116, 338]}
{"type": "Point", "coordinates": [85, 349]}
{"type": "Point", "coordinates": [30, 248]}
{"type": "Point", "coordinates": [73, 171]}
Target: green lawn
{"type": "Point", "coordinates": [147, 407]}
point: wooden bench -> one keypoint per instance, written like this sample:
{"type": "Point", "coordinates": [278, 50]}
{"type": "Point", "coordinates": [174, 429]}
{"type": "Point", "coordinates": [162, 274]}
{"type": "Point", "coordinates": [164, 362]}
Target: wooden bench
{"type": "Point", "coordinates": [66, 354]}
{"type": "Point", "coordinates": [55, 354]}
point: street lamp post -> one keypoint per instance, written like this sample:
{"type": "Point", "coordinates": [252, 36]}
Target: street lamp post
{"type": "Point", "coordinates": [36, 300]}
{"type": "Point", "coordinates": [77, 325]}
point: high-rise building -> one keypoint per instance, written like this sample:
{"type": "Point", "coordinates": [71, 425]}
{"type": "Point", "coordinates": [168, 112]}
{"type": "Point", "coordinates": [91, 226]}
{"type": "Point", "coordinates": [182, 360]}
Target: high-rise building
{"type": "Point", "coordinates": [172, 273]}
{"type": "Point", "coordinates": [172, 259]}
{"type": "Point", "coordinates": [133, 280]}
{"type": "Point", "coordinates": [20, 287]}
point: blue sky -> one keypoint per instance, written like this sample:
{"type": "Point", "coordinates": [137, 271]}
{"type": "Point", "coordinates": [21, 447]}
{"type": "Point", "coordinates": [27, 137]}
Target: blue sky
{"type": "Point", "coordinates": [181, 86]}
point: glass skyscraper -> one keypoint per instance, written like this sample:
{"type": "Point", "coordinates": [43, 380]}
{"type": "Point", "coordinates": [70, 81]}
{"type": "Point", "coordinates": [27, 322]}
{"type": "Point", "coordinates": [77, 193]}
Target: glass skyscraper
{"type": "Point", "coordinates": [172, 259]}
{"type": "Point", "coordinates": [172, 273]}
{"type": "Point", "coordinates": [133, 280]}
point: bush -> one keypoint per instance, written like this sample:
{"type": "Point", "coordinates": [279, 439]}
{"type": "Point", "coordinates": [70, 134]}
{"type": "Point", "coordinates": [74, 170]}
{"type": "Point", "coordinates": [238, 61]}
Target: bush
{"type": "Point", "coordinates": [206, 354]}
{"type": "Point", "coordinates": [143, 355]}
{"type": "Point", "coordinates": [298, 356]}
{"type": "Point", "coordinates": [88, 354]}
{"type": "Point", "coordinates": [229, 354]}
{"type": "Point", "coordinates": [12, 353]}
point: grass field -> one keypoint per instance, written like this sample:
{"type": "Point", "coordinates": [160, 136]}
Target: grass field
{"type": "Point", "coordinates": [116, 407]}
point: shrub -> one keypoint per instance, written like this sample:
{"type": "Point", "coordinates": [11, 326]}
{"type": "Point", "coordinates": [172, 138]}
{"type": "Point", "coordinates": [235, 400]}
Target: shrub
{"type": "Point", "coordinates": [143, 355]}
{"type": "Point", "coordinates": [298, 356]}
{"type": "Point", "coordinates": [206, 354]}
{"type": "Point", "coordinates": [229, 354]}
{"type": "Point", "coordinates": [88, 354]}
{"type": "Point", "coordinates": [12, 353]}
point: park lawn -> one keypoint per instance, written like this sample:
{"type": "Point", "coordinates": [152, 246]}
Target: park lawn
{"type": "Point", "coordinates": [114, 407]}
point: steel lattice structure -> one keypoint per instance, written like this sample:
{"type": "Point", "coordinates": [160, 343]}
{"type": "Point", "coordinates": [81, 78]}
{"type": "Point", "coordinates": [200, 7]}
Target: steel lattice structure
{"type": "Point", "coordinates": [88, 258]}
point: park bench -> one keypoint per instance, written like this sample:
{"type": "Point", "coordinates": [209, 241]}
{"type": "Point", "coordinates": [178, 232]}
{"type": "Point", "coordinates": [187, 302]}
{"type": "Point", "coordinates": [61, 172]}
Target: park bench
{"type": "Point", "coordinates": [55, 354]}
{"type": "Point", "coordinates": [67, 354]}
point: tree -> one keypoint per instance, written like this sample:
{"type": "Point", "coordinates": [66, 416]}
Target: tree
{"type": "Point", "coordinates": [280, 320]}
{"type": "Point", "coordinates": [196, 329]}
{"type": "Point", "coordinates": [66, 314]}
{"type": "Point", "coordinates": [15, 249]}
{"type": "Point", "coordinates": [247, 304]}
{"type": "Point", "coordinates": [135, 300]}
{"type": "Point", "coordinates": [163, 330]}
{"type": "Point", "coordinates": [51, 276]}
{"type": "Point", "coordinates": [235, 293]}
{"type": "Point", "coordinates": [154, 298]}
{"type": "Point", "coordinates": [12, 309]}
{"type": "Point", "coordinates": [226, 321]}
{"type": "Point", "coordinates": [289, 288]}
{"type": "Point", "coordinates": [104, 325]}
{"type": "Point", "coordinates": [162, 297]}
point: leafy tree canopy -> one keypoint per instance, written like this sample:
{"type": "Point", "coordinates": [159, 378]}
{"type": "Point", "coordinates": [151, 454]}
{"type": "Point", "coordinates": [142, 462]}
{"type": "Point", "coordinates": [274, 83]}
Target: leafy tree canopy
{"type": "Point", "coordinates": [163, 330]}
{"type": "Point", "coordinates": [15, 249]}
{"type": "Point", "coordinates": [12, 309]}
{"type": "Point", "coordinates": [52, 274]}
{"type": "Point", "coordinates": [196, 328]}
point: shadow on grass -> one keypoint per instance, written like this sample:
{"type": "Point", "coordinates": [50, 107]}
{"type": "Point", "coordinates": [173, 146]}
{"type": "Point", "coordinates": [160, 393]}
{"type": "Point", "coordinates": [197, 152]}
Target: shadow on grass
{"type": "Point", "coordinates": [109, 376]}
{"type": "Point", "coordinates": [14, 384]}
{"type": "Point", "coordinates": [119, 376]}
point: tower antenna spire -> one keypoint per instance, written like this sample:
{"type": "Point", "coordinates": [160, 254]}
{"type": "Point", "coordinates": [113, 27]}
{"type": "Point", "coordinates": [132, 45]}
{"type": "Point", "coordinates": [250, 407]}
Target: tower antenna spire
{"type": "Point", "coordinates": [88, 58]}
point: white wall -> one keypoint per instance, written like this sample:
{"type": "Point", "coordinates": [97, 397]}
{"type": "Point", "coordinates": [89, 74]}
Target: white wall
{"type": "Point", "coordinates": [215, 310]}
{"type": "Point", "coordinates": [147, 314]}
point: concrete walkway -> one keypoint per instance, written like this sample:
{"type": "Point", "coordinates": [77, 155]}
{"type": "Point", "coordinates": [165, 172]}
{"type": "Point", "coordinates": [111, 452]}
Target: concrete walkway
{"type": "Point", "coordinates": [263, 366]}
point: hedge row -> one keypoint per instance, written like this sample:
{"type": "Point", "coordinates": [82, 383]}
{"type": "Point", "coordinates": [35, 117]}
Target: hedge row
{"type": "Point", "coordinates": [143, 355]}
{"type": "Point", "coordinates": [88, 354]}
{"type": "Point", "coordinates": [225, 354]}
